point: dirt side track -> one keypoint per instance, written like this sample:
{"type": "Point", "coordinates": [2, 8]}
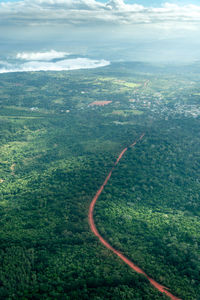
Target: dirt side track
{"type": "Point", "coordinates": [158, 286]}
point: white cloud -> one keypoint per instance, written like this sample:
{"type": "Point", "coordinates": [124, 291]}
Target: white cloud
{"type": "Point", "coordinates": [91, 12]}
{"type": "Point", "coordinates": [63, 65]}
{"type": "Point", "coordinates": [49, 55]}
{"type": "Point", "coordinates": [119, 5]}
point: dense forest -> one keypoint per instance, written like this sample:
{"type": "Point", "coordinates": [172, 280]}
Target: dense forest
{"type": "Point", "coordinates": [57, 148]}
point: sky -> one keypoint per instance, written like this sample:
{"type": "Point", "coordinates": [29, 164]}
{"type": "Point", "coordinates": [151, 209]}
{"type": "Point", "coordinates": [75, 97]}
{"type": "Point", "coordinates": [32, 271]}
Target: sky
{"type": "Point", "coordinates": [114, 30]}
{"type": "Point", "coordinates": [157, 3]}
{"type": "Point", "coordinates": [143, 2]}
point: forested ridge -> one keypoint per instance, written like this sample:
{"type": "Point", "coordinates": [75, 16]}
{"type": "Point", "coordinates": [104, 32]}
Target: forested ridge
{"type": "Point", "coordinates": [56, 151]}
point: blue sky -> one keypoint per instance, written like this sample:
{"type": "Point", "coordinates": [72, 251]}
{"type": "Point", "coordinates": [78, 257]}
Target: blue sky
{"type": "Point", "coordinates": [158, 2]}
{"type": "Point", "coordinates": [147, 3]}
{"type": "Point", "coordinates": [144, 2]}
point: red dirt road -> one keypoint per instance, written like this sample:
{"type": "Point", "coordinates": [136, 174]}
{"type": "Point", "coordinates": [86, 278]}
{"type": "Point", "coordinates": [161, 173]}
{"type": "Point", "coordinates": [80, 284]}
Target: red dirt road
{"type": "Point", "coordinates": [158, 286]}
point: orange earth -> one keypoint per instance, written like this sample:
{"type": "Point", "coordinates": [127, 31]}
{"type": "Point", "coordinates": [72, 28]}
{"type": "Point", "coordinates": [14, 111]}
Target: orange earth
{"type": "Point", "coordinates": [134, 267]}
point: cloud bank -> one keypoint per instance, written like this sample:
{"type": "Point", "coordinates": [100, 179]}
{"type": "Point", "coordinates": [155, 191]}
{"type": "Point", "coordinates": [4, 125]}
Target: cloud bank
{"type": "Point", "coordinates": [87, 12]}
{"type": "Point", "coordinates": [61, 65]}
{"type": "Point", "coordinates": [47, 56]}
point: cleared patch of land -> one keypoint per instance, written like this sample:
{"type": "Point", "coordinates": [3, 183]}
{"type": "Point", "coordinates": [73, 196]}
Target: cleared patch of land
{"type": "Point", "coordinates": [126, 113]}
{"type": "Point", "coordinates": [100, 103]}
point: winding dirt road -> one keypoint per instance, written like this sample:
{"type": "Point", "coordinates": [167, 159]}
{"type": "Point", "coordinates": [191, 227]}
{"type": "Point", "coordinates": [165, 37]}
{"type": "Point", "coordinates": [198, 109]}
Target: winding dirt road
{"type": "Point", "coordinates": [158, 286]}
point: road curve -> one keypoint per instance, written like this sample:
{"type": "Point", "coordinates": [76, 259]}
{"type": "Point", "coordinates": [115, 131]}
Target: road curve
{"type": "Point", "coordinates": [158, 286]}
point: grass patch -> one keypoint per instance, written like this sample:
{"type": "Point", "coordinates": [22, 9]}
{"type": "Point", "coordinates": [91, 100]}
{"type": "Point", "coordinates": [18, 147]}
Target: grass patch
{"type": "Point", "coordinates": [126, 113]}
